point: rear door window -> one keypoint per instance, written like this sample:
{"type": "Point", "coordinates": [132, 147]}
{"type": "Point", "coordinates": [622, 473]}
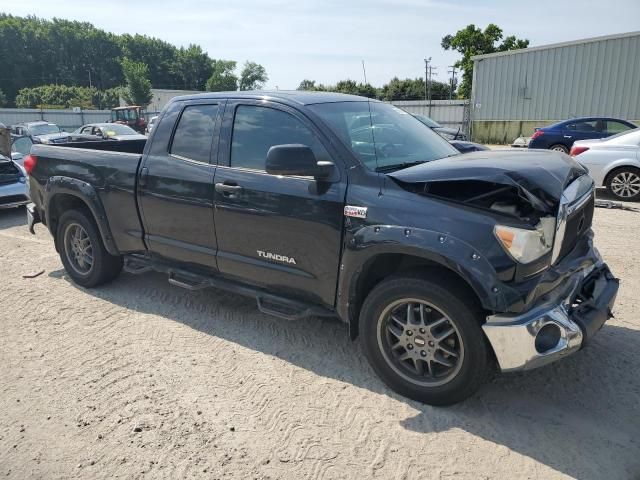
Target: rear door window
{"type": "Point", "coordinates": [614, 127]}
{"type": "Point", "coordinates": [194, 134]}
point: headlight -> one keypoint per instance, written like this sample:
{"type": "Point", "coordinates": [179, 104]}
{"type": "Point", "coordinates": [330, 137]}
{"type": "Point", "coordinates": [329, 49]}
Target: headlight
{"type": "Point", "coordinates": [525, 246]}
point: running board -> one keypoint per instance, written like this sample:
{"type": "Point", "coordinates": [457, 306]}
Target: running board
{"type": "Point", "coordinates": [267, 303]}
{"type": "Point", "coordinates": [135, 266]}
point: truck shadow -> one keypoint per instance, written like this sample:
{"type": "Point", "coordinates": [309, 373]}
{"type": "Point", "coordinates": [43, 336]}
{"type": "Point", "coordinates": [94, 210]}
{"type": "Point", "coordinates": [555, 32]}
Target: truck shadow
{"type": "Point", "coordinates": [13, 217]}
{"type": "Point", "coordinates": [580, 416]}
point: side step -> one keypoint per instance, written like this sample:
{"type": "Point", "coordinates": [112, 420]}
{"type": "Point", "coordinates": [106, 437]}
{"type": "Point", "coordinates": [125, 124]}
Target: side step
{"type": "Point", "coordinates": [184, 282]}
{"type": "Point", "coordinates": [268, 303]}
{"type": "Point", "coordinates": [136, 266]}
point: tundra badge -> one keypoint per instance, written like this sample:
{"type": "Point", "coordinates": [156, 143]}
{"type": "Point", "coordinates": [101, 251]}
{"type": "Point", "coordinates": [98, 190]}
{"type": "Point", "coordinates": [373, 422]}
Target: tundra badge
{"type": "Point", "coordinates": [277, 257]}
{"type": "Point", "coordinates": [357, 212]}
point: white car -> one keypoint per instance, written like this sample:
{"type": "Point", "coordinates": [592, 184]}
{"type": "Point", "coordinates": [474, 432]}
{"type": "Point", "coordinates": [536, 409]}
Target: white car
{"type": "Point", "coordinates": [613, 162]}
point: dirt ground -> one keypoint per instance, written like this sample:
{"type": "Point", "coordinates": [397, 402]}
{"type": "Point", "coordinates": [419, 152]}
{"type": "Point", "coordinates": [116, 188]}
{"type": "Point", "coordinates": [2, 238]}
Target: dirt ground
{"type": "Point", "coordinates": [139, 379]}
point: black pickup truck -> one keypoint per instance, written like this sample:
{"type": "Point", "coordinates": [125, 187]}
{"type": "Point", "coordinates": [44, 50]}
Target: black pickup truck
{"type": "Point", "coordinates": [321, 204]}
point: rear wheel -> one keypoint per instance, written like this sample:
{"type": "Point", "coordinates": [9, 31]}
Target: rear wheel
{"type": "Point", "coordinates": [624, 183]}
{"type": "Point", "coordinates": [82, 251]}
{"type": "Point", "coordinates": [423, 338]}
{"type": "Point", "coordinates": [559, 148]}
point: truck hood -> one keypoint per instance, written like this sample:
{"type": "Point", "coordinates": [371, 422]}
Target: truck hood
{"type": "Point", "coordinates": [535, 177]}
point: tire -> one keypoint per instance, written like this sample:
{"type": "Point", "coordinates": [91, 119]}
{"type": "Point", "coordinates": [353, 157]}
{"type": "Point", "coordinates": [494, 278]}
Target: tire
{"type": "Point", "coordinates": [442, 298]}
{"type": "Point", "coordinates": [624, 184]}
{"type": "Point", "coordinates": [79, 226]}
{"type": "Point", "coordinates": [559, 148]}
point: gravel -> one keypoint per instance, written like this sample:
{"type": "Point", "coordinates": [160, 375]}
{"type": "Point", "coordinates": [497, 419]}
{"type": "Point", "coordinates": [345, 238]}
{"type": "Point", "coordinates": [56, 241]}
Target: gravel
{"type": "Point", "coordinates": [139, 379]}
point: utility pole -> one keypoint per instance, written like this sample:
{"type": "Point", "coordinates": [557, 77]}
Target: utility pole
{"type": "Point", "coordinates": [453, 80]}
{"type": "Point", "coordinates": [89, 78]}
{"type": "Point", "coordinates": [431, 69]}
{"type": "Point", "coordinates": [426, 77]}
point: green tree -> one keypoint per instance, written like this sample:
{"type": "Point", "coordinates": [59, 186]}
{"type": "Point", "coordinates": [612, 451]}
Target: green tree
{"type": "Point", "coordinates": [138, 89]}
{"type": "Point", "coordinates": [253, 76]}
{"type": "Point", "coordinates": [195, 66]}
{"type": "Point", "coordinates": [412, 89]}
{"type": "Point", "coordinates": [3, 99]}
{"type": "Point", "coordinates": [222, 78]}
{"type": "Point", "coordinates": [309, 85]}
{"type": "Point", "coordinates": [41, 52]}
{"type": "Point", "coordinates": [471, 41]}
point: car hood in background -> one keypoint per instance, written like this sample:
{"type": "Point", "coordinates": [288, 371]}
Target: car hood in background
{"type": "Point", "coordinates": [537, 174]}
{"type": "Point", "coordinates": [449, 131]}
{"type": "Point", "coordinates": [465, 147]}
{"type": "Point", "coordinates": [52, 137]}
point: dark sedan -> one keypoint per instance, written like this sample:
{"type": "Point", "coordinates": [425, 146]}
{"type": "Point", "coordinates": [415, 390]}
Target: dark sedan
{"type": "Point", "coordinates": [560, 136]}
{"type": "Point", "coordinates": [445, 132]}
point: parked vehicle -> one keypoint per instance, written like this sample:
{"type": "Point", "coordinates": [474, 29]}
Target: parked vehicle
{"type": "Point", "coordinates": [560, 136]}
{"type": "Point", "coordinates": [131, 115]}
{"type": "Point", "coordinates": [151, 124]}
{"type": "Point", "coordinates": [105, 131]}
{"type": "Point", "coordinates": [613, 163]}
{"type": "Point", "coordinates": [20, 148]}
{"type": "Point", "coordinates": [466, 147]}
{"type": "Point", "coordinates": [13, 186]}
{"type": "Point", "coordinates": [438, 262]}
{"type": "Point", "coordinates": [445, 132]}
{"type": "Point", "coordinates": [40, 132]}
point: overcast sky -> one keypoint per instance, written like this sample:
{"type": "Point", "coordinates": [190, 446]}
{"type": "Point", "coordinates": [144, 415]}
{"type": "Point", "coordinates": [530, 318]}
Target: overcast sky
{"type": "Point", "coordinates": [326, 40]}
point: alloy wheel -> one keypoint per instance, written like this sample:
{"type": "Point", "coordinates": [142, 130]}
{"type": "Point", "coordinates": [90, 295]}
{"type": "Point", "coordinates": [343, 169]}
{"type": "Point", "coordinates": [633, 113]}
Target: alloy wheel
{"type": "Point", "coordinates": [420, 342]}
{"type": "Point", "coordinates": [78, 248]}
{"type": "Point", "coordinates": [626, 184]}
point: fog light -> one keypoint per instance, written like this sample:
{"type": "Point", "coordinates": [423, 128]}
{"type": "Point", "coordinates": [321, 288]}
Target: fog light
{"type": "Point", "coordinates": [547, 338]}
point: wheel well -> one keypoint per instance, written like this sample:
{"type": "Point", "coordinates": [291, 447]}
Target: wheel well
{"type": "Point", "coordinates": [617, 169]}
{"type": "Point", "coordinates": [396, 264]}
{"type": "Point", "coordinates": [61, 203]}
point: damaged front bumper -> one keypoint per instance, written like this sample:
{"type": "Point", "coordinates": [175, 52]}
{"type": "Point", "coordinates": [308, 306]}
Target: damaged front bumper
{"type": "Point", "coordinates": [549, 332]}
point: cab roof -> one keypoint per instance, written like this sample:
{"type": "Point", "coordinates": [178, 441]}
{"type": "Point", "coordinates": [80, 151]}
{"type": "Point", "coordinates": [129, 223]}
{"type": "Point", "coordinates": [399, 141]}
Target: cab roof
{"type": "Point", "coordinates": [299, 97]}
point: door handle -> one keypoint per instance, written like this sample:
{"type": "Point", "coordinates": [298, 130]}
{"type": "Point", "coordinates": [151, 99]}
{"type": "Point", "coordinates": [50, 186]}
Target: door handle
{"type": "Point", "coordinates": [228, 190]}
{"type": "Point", "coordinates": [144, 173]}
{"type": "Point", "coordinates": [567, 136]}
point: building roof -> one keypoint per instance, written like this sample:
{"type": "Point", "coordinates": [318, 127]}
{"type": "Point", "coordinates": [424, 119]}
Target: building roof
{"type": "Point", "coordinates": [557, 45]}
{"type": "Point", "coordinates": [301, 97]}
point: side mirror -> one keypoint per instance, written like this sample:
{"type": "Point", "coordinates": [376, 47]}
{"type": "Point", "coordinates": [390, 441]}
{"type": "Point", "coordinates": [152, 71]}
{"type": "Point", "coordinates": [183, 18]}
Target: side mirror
{"type": "Point", "coordinates": [297, 160]}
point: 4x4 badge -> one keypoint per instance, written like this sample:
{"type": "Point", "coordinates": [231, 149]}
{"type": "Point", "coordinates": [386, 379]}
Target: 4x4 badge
{"type": "Point", "coordinates": [357, 212]}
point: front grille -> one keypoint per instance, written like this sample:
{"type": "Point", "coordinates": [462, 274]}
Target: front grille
{"type": "Point", "coordinates": [577, 223]}
{"type": "Point", "coordinates": [12, 199]}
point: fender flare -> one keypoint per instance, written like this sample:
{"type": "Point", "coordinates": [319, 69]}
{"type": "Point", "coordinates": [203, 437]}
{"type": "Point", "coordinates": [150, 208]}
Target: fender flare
{"type": "Point", "coordinates": [87, 193]}
{"type": "Point", "coordinates": [447, 251]}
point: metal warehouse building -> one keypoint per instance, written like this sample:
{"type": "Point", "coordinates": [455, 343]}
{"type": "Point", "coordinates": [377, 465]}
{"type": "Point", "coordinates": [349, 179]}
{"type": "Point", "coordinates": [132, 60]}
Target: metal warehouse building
{"type": "Point", "coordinates": [514, 92]}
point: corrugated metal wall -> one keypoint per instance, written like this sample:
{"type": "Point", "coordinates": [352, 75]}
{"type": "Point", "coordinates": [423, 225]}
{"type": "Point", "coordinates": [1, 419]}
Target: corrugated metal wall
{"type": "Point", "coordinates": [450, 113]}
{"type": "Point", "coordinates": [594, 78]}
{"type": "Point", "coordinates": [66, 119]}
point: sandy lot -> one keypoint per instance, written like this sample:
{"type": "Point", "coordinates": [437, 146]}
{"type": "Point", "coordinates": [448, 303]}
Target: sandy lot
{"type": "Point", "coordinates": [140, 379]}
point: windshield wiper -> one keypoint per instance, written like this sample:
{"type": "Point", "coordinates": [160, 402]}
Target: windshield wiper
{"type": "Point", "coordinates": [398, 166]}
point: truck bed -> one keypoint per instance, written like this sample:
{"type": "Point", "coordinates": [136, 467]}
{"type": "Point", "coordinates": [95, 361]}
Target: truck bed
{"type": "Point", "coordinates": [109, 169]}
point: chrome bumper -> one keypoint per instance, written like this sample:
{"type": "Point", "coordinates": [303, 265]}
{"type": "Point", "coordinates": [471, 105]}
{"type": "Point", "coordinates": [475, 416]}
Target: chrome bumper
{"type": "Point", "coordinates": [547, 333]}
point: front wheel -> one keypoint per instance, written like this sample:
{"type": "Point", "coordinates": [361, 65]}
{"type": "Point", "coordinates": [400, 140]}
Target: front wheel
{"type": "Point", "coordinates": [82, 251]}
{"type": "Point", "coordinates": [423, 338]}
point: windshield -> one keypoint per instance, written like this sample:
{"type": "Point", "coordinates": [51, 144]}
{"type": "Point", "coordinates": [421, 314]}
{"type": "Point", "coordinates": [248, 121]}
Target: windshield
{"type": "Point", "coordinates": [44, 129]}
{"type": "Point", "coordinates": [384, 137]}
{"type": "Point", "coordinates": [427, 121]}
{"type": "Point", "coordinates": [113, 129]}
